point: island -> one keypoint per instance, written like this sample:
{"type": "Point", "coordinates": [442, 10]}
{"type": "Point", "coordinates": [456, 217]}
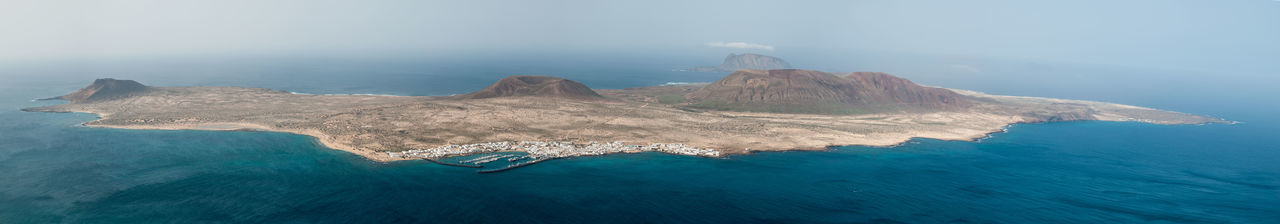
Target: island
{"type": "Point", "coordinates": [548, 117]}
{"type": "Point", "coordinates": [747, 61]}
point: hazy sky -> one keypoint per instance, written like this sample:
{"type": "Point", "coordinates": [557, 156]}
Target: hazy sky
{"type": "Point", "coordinates": [1194, 34]}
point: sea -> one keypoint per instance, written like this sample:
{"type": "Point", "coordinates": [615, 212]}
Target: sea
{"type": "Point", "coordinates": [53, 170]}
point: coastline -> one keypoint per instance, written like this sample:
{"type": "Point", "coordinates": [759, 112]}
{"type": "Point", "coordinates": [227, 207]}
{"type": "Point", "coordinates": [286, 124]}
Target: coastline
{"type": "Point", "coordinates": [327, 142]}
{"type": "Point", "coordinates": [394, 128]}
{"type": "Point", "coordinates": [323, 139]}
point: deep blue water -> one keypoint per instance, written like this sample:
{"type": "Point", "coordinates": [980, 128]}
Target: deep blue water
{"type": "Point", "coordinates": [52, 170]}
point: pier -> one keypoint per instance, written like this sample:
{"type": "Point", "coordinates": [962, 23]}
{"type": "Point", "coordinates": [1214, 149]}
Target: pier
{"type": "Point", "coordinates": [514, 158]}
{"type": "Point", "coordinates": [487, 159]}
{"type": "Point", "coordinates": [451, 164]}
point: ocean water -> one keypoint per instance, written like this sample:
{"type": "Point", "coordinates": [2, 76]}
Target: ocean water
{"type": "Point", "coordinates": [54, 171]}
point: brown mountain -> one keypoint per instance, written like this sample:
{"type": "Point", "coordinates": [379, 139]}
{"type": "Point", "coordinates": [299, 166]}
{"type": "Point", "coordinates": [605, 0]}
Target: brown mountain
{"type": "Point", "coordinates": [106, 89]}
{"type": "Point", "coordinates": [530, 85]}
{"type": "Point", "coordinates": [735, 62]}
{"type": "Point", "coordinates": [889, 88]}
{"type": "Point", "coordinates": [806, 91]}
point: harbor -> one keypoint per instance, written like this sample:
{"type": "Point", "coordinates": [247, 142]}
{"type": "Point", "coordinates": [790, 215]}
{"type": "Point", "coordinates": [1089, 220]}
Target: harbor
{"type": "Point", "coordinates": [537, 151]}
{"type": "Point", "coordinates": [487, 159]}
{"type": "Point", "coordinates": [552, 149]}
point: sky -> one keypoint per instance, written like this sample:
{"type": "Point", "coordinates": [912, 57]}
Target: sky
{"type": "Point", "coordinates": [1200, 35]}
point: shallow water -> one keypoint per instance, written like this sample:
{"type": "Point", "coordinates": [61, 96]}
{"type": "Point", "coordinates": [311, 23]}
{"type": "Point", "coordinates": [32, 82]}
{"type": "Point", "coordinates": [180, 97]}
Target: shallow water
{"type": "Point", "coordinates": [53, 170]}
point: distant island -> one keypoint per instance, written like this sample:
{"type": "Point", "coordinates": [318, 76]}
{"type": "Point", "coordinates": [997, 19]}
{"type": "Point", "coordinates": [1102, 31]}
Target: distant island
{"type": "Point", "coordinates": [746, 61]}
{"type": "Point", "coordinates": [549, 117]}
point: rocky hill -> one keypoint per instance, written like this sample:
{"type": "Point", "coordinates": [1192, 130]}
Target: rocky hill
{"type": "Point", "coordinates": [735, 62]}
{"type": "Point", "coordinates": [806, 91]}
{"type": "Point", "coordinates": [530, 85]}
{"type": "Point", "coordinates": [106, 89]}
{"type": "Point", "coordinates": [889, 88]}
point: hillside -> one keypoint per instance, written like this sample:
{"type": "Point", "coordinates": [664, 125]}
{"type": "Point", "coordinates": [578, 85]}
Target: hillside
{"type": "Point", "coordinates": [807, 91]}
{"type": "Point", "coordinates": [892, 89]}
{"type": "Point", "coordinates": [106, 89]}
{"type": "Point", "coordinates": [529, 85]}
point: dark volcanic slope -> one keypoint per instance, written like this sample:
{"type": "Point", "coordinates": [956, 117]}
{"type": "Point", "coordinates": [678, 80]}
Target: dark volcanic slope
{"type": "Point", "coordinates": [805, 91]}
{"type": "Point", "coordinates": [106, 89]}
{"type": "Point", "coordinates": [529, 85]}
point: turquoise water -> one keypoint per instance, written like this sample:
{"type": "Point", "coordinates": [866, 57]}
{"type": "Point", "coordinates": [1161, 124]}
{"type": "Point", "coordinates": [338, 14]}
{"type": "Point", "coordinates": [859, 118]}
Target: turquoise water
{"type": "Point", "coordinates": [53, 170]}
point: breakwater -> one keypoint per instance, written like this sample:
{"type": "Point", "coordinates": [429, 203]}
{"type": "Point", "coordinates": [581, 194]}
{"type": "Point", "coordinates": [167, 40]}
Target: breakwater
{"type": "Point", "coordinates": [451, 164]}
{"type": "Point", "coordinates": [513, 166]}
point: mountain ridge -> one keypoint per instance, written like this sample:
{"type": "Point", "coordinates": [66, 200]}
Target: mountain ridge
{"type": "Point", "coordinates": [808, 91]}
